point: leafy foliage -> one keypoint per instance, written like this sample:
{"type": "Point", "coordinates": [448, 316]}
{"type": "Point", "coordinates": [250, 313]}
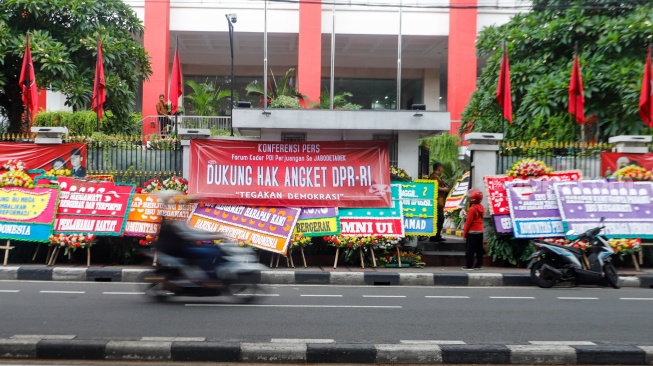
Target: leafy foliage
{"type": "Point", "coordinates": [84, 123]}
{"type": "Point", "coordinates": [277, 90]}
{"type": "Point", "coordinates": [63, 35]}
{"type": "Point", "coordinates": [205, 98]}
{"type": "Point", "coordinates": [612, 39]}
{"type": "Point", "coordinates": [505, 248]}
{"type": "Point", "coordinates": [340, 101]}
{"type": "Point", "coordinates": [444, 149]}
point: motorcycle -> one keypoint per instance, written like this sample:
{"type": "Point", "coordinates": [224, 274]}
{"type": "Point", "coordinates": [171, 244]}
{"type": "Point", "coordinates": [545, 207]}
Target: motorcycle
{"type": "Point", "coordinates": [231, 274]}
{"type": "Point", "coordinates": [552, 263]}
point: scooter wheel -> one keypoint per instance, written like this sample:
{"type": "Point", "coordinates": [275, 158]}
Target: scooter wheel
{"type": "Point", "coordinates": [611, 275]}
{"type": "Point", "coordinates": [245, 293]}
{"type": "Point", "coordinates": [538, 277]}
{"type": "Point", "coordinates": [156, 292]}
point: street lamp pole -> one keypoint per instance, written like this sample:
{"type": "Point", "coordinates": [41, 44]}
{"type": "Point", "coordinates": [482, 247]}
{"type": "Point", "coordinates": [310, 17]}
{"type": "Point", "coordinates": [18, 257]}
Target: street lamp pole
{"type": "Point", "coordinates": [231, 19]}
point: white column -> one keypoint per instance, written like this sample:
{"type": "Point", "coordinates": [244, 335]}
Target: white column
{"type": "Point", "coordinates": [483, 149]}
{"type": "Point", "coordinates": [408, 152]}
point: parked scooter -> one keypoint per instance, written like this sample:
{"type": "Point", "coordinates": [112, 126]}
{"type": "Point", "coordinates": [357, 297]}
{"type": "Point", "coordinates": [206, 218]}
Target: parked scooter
{"type": "Point", "coordinates": [553, 263]}
{"type": "Point", "coordinates": [230, 269]}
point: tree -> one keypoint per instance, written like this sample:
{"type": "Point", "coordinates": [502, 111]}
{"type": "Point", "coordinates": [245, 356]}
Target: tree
{"type": "Point", "coordinates": [612, 38]}
{"type": "Point", "coordinates": [64, 37]}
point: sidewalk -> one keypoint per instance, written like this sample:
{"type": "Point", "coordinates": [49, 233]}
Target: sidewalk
{"type": "Point", "coordinates": [323, 275]}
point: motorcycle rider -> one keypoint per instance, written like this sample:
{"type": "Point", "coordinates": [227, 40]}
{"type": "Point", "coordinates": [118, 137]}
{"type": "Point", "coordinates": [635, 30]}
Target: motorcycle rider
{"type": "Point", "coordinates": [178, 240]}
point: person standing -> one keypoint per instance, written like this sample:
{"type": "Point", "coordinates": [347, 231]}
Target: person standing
{"type": "Point", "coordinates": [473, 231]}
{"type": "Point", "coordinates": [162, 111]}
{"type": "Point", "coordinates": [443, 191]}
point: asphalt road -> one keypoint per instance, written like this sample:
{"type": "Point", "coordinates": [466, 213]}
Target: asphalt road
{"type": "Point", "coordinates": [350, 314]}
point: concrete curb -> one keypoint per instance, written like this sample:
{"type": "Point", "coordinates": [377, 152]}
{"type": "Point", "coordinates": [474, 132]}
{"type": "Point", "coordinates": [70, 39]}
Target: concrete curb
{"type": "Point", "coordinates": [290, 277]}
{"type": "Point", "coordinates": [299, 352]}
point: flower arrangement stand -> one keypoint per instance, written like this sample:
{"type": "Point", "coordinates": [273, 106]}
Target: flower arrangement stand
{"type": "Point", "coordinates": [635, 260]}
{"type": "Point", "coordinates": [301, 250]}
{"type": "Point", "coordinates": [335, 262]}
{"type": "Point", "coordinates": [7, 248]}
{"type": "Point", "coordinates": [373, 257]}
{"type": "Point", "coordinates": [53, 256]}
{"type": "Point", "coordinates": [88, 256]}
{"type": "Point", "coordinates": [276, 256]}
{"type": "Point", "coordinates": [36, 252]}
{"type": "Point", "coordinates": [360, 254]}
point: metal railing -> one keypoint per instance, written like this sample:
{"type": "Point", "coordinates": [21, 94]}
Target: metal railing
{"type": "Point", "coordinates": [214, 123]}
{"type": "Point", "coordinates": [585, 157]}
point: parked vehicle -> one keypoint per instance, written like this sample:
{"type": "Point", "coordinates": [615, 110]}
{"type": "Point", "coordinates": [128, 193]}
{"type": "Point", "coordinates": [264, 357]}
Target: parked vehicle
{"type": "Point", "coordinates": [226, 269]}
{"type": "Point", "coordinates": [553, 263]}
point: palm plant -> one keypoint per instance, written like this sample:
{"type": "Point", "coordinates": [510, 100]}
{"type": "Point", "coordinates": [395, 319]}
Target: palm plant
{"type": "Point", "coordinates": [205, 98]}
{"type": "Point", "coordinates": [339, 101]}
{"type": "Point", "coordinates": [276, 89]}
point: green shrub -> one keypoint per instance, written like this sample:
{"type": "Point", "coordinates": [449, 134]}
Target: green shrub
{"type": "Point", "coordinates": [85, 122]}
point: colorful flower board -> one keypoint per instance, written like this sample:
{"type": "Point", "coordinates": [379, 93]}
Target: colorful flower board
{"type": "Point", "coordinates": [418, 201]}
{"type": "Point", "coordinates": [374, 221]}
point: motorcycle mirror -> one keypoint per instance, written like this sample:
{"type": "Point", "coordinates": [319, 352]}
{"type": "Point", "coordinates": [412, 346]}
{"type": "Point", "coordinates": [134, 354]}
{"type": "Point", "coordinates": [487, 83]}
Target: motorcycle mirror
{"type": "Point", "coordinates": [571, 232]}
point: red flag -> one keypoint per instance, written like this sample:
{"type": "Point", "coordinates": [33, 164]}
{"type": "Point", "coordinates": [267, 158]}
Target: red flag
{"type": "Point", "coordinates": [27, 82]}
{"type": "Point", "coordinates": [100, 86]}
{"type": "Point", "coordinates": [504, 95]}
{"type": "Point", "coordinates": [576, 98]}
{"type": "Point", "coordinates": [176, 87]}
{"type": "Point", "coordinates": [645, 99]}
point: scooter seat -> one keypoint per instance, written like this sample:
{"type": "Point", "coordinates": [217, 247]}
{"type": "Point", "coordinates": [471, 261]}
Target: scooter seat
{"type": "Point", "coordinates": [566, 247]}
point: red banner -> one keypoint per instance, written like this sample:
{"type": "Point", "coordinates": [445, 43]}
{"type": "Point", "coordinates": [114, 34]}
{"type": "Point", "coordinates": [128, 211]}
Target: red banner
{"type": "Point", "coordinates": [296, 174]}
{"type": "Point", "coordinates": [92, 207]}
{"type": "Point", "coordinates": [496, 189]}
{"type": "Point", "coordinates": [613, 161]}
{"type": "Point", "coordinates": [65, 156]}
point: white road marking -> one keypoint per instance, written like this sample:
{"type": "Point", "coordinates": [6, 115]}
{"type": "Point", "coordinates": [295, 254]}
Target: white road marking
{"type": "Point", "coordinates": [578, 298]}
{"type": "Point", "coordinates": [321, 295]}
{"type": "Point", "coordinates": [564, 343]}
{"type": "Point", "coordinates": [636, 298]}
{"type": "Point", "coordinates": [62, 292]}
{"type": "Point", "coordinates": [385, 296]}
{"type": "Point", "coordinates": [447, 297]}
{"type": "Point", "coordinates": [9, 290]}
{"type": "Point", "coordinates": [262, 295]}
{"type": "Point", "coordinates": [123, 293]}
{"type": "Point", "coordinates": [430, 342]}
{"type": "Point", "coordinates": [300, 340]}
{"type": "Point", "coordinates": [300, 306]}
{"type": "Point", "coordinates": [512, 297]}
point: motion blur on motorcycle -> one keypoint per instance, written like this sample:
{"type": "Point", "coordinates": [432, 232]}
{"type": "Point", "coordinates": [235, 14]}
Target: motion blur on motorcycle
{"type": "Point", "coordinates": [553, 263]}
{"type": "Point", "coordinates": [190, 263]}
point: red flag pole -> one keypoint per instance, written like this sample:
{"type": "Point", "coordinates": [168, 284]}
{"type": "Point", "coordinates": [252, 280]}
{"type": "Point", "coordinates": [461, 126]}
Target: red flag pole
{"type": "Point", "coordinates": [97, 86]}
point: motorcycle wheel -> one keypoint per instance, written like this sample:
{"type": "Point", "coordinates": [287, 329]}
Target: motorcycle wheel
{"type": "Point", "coordinates": [611, 275]}
{"type": "Point", "coordinates": [245, 293]}
{"type": "Point", "coordinates": [156, 292]}
{"type": "Point", "coordinates": [536, 276]}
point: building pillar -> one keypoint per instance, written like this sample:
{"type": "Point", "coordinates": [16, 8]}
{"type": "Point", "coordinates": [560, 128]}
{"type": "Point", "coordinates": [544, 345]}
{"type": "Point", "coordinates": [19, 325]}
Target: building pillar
{"type": "Point", "coordinates": [309, 63]}
{"type": "Point", "coordinates": [461, 79]}
{"type": "Point", "coordinates": [483, 148]}
{"type": "Point", "coordinates": [408, 152]}
{"type": "Point", "coordinates": [156, 41]}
